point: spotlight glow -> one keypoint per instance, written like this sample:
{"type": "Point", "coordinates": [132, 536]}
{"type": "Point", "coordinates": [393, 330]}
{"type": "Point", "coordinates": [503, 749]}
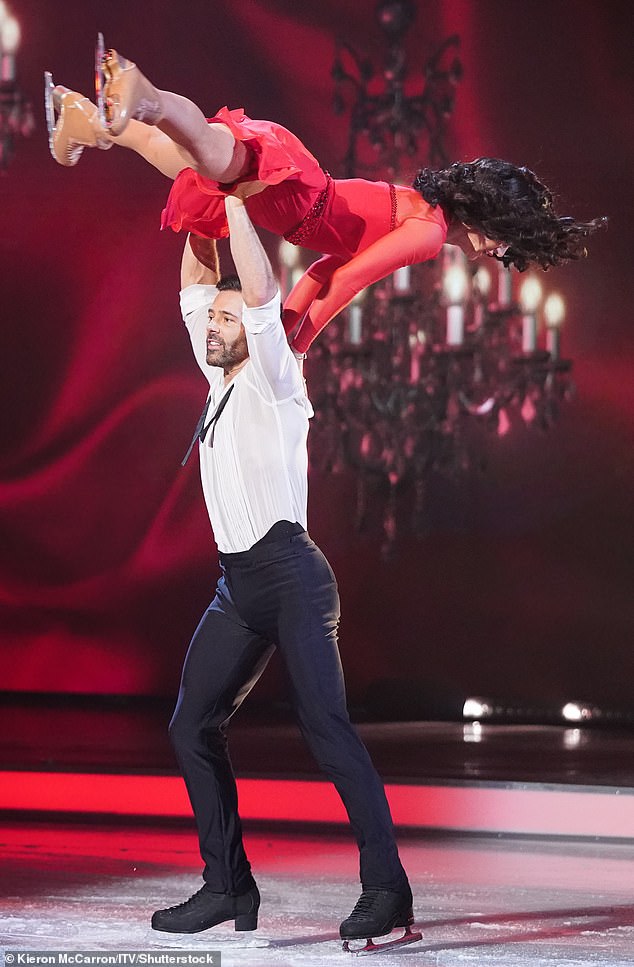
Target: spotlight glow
{"type": "Point", "coordinates": [472, 732]}
{"type": "Point", "coordinates": [477, 708]}
{"type": "Point", "coordinates": [576, 712]}
{"type": "Point", "coordinates": [572, 738]}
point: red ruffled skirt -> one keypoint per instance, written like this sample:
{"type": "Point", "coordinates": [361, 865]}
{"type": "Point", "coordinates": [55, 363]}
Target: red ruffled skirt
{"type": "Point", "coordinates": [295, 179]}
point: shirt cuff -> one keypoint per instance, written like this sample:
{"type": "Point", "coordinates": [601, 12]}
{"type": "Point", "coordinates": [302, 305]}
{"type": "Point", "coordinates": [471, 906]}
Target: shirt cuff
{"type": "Point", "coordinates": [196, 297]}
{"type": "Point", "coordinates": [258, 318]}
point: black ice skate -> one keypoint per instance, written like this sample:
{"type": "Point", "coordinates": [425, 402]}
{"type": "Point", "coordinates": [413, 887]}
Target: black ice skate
{"type": "Point", "coordinates": [376, 913]}
{"type": "Point", "coordinates": [206, 909]}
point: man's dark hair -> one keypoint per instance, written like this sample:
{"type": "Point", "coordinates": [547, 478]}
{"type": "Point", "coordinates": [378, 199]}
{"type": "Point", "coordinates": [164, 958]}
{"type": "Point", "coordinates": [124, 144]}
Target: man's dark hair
{"type": "Point", "coordinates": [229, 283]}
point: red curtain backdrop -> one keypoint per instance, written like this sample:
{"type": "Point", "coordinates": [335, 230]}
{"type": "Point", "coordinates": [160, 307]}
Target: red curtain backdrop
{"type": "Point", "coordinates": [523, 586]}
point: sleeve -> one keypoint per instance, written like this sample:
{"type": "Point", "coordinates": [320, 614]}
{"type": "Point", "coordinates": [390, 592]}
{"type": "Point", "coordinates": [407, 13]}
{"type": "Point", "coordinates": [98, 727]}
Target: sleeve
{"type": "Point", "coordinates": [416, 240]}
{"type": "Point", "coordinates": [195, 301]}
{"type": "Point", "coordinates": [273, 369]}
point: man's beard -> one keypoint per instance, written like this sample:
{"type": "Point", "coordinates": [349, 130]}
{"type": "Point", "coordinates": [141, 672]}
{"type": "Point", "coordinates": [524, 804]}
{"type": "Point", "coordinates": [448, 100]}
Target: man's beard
{"type": "Point", "coordinates": [225, 357]}
{"type": "Point", "coordinates": [217, 355]}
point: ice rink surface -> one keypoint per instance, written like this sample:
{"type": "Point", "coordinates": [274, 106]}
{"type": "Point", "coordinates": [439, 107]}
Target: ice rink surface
{"type": "Point", "coordinates": [485, 902]}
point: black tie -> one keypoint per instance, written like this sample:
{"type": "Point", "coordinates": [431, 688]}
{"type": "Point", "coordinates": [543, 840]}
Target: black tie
{"type": "Point", "coordinates": [201, 429]}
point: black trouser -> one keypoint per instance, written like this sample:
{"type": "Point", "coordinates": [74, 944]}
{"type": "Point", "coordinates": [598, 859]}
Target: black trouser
{"type": "Point", "coordinates": [280, 592]}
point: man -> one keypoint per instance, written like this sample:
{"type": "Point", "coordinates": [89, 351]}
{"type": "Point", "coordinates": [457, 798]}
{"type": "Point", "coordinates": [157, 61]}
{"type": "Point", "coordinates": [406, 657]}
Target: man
{"type": "Point", "coordinates": [276, 590]}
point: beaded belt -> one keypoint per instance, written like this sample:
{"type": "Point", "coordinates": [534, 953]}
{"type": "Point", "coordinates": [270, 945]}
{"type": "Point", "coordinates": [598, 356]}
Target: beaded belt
{"type": "Point", "coordinates": [393, 208]}
{"type": "Point", "coordinates": [299, 234]}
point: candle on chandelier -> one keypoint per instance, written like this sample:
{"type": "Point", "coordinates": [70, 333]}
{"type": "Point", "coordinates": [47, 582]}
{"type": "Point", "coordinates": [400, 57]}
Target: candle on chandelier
{"type": "Point", "coordinates": [414, 366]}
{"type": "Point", "coordinates": [455, 325]}
{"type": "Point", "coordinates": [455, 287]}
{"type": "Point", "coordinates": [402, 280]}
{"type": "Point", "coordinates": [481, 289]}
{"type": "Point", "coordinates": [9, 42]}
{"type": "Point", "coordinates": [355, 319]}
{"type": "Point", "coordinates": [530, 298]}
{"type": "Point", "coordinates": [554, 311]}
{"type": "Point", "coordinates": [289, 257]}
{"type": "Point", "coordinates": [355, 331]}
{"type": "Point", "coordinates": [416, 350]}
{"type": "Point", "coordinates": [505, 287]}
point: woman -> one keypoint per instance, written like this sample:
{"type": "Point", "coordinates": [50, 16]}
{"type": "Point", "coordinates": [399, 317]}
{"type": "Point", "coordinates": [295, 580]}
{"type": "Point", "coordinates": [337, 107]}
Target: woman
{"type": "Point", "coordinates": [366, 229]}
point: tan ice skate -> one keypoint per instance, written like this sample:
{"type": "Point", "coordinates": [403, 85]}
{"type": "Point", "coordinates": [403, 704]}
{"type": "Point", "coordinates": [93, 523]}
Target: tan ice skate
{"type": "Point", "coordinates": [73, 123]}
{"type": "Point", "coordinates": [123, 92]}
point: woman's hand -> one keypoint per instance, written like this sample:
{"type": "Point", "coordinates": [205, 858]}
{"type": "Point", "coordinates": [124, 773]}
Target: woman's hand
{"type": "Point", "coordinates": [247, 188]}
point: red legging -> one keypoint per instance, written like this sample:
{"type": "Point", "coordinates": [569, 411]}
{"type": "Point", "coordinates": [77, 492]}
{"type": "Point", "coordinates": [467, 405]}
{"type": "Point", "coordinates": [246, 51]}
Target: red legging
{"type": "Point", "coordinates": [372, 252]}
{"type": "Point", "coordinates": [332, 282]}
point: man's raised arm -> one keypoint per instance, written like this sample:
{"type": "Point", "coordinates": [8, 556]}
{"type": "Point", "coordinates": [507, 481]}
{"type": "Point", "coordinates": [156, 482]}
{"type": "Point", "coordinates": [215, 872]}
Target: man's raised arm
{"type": "Point", "coordinates": [199, 270]}
{"type": "Point", "coordinates": [199, 264]}
{"type": "Point", "coordinates": [251, 261]}
{"type": "Point", "coordinates": [273, 363]}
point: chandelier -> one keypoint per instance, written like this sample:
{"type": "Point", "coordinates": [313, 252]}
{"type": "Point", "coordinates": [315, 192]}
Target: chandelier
{"type": "Point", "coordinates": [16, 113]}
{"type": "Point", "coordinates": [404, 378]}
{"type": "Point", "coordinates": [390, 122]}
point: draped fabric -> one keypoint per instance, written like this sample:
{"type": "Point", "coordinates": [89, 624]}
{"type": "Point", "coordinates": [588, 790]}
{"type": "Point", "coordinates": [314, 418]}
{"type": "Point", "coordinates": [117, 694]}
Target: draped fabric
{"type": "Point", "coordinates": [523, 584]}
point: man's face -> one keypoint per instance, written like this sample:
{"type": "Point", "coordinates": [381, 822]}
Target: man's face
{"type": "Point", "coordinates": [226, 338]}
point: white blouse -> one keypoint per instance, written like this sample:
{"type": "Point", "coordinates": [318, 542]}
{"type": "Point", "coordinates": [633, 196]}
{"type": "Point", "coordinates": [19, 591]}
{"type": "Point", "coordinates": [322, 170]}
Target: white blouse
{"type": "Point", "coordinates": [254, 466]}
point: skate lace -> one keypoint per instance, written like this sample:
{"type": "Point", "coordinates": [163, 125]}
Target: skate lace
{"type": "Point", "coordinates": [365, 904]}
{"type": "Point", "coordinates": [192, 902]}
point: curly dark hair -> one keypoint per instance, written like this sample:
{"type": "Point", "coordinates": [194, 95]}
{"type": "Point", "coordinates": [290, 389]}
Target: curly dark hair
{"type": "Point", "coordinates": [509, 205]}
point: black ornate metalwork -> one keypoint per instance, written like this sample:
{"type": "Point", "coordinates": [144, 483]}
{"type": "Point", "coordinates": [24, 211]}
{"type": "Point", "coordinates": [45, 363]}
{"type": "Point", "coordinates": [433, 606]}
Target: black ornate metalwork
{"type": "Point", "coordinates": [400, 404]}
{"type": "Point", "coordinates": [393, 122]}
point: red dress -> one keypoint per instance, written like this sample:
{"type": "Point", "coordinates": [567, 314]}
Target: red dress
{"type": "Point", "coordinates": [367, 229]}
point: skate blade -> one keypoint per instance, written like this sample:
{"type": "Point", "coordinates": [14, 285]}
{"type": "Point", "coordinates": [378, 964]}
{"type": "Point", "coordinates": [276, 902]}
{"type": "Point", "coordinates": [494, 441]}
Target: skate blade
{"type": "Point", "coordinates": [373, 948]}
{"type": "Point", "coordinates": [49, 108]}
{"type": "Point", "coordinates": [100, 80]}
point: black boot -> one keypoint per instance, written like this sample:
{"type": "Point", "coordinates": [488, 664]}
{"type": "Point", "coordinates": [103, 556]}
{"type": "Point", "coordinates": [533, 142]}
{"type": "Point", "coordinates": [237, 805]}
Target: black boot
{"type": "Point", "coordinates": [207, 909]}
{"type": "Point", "coordinates": [377, 912]}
